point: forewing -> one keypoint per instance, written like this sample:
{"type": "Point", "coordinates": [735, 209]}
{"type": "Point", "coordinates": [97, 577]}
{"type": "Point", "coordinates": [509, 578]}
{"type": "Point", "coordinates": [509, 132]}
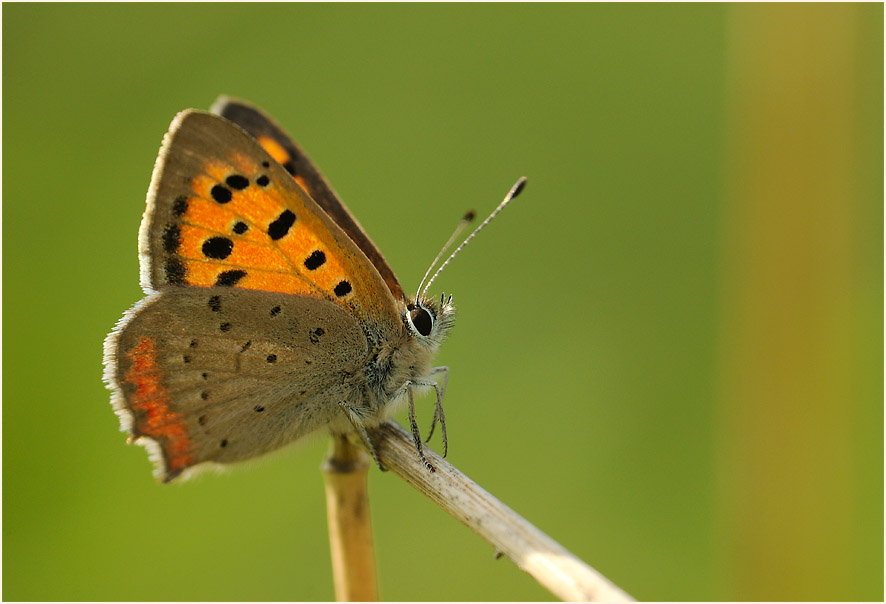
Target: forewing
{"type": "Point", "coordinates": [221, 375]}
{"type": "Point", "coordinates": [281, 146]}
{"type": "Point", "coordinates": [222, 212]}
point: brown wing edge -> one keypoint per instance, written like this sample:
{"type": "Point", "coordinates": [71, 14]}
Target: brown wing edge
{"type": "Point", "coordinates": [257, 123]}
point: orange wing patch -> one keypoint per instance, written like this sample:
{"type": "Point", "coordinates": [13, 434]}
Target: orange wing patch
{"type": "Point", "coordinates": [274, 149]}
{"type": "Point", "coordinates": [225, 212]}
{"type": "Point", "coordinates": [150, 404]}
{"type": "Point", "coordinates": [238, 229]}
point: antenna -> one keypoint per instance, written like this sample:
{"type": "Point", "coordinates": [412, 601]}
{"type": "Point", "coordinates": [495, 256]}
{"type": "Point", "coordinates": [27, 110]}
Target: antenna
{"type": "Point", "coordinates": [466, 219]}
{"type": "Point", "coordinates": [515, 190]}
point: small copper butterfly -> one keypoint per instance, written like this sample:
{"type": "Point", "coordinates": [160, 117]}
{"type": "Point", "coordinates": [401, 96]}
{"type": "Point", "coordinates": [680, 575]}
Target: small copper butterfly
{"type": "Point", "coordinates": [269, 314]}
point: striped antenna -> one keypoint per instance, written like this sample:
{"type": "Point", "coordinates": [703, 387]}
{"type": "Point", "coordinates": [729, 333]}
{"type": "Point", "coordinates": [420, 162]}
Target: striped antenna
{"type": "Point", "coordinates": [515, 190]}
{"type": "Point", "coordinates": [465, 221]}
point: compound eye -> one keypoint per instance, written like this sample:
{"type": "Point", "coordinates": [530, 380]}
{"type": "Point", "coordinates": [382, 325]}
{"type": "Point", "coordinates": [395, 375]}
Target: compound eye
{"type": "Point", "coordinates": [421, 320]}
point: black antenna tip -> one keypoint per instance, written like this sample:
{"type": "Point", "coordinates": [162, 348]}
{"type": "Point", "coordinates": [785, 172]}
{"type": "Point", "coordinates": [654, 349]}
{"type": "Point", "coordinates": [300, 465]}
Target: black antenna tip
{"type": "Point", "coordinates": [469, 216]}
{"type": "Point", "coordinates": [518, 188]}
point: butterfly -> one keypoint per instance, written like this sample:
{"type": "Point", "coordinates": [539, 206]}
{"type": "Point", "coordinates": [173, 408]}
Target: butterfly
{"type": "Point", "coordinates": [268, 314]}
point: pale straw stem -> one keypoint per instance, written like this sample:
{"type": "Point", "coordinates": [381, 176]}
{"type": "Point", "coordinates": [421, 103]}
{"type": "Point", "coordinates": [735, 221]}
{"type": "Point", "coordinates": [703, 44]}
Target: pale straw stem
{"type": "Point", "coordinates": [549, 563]}
{"type": "Point", "coordinates": [350, 531]}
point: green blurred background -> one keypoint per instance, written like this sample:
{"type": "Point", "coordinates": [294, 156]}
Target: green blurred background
{"type": "Point", "coordinates": [669, 351]}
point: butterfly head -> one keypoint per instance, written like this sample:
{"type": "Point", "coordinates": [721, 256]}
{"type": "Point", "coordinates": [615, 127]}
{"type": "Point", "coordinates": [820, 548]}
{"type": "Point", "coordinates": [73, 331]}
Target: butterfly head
{"type": "Point", "coordinates": [428, 320]}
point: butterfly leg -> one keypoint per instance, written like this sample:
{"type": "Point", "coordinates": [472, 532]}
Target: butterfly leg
{"type": "Point", "coordinates": [440, 389]}
{"type": "Point", "coordinates": [356, 420]}
{"type": "Point", "coordinates": [416, 437]}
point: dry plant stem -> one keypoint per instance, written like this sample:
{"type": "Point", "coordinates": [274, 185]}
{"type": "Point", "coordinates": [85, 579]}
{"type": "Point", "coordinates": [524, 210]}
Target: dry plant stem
{"type": "Point", "coordinates": [548, 562]}
{"type": "Point", "coordinates": [350, 533]}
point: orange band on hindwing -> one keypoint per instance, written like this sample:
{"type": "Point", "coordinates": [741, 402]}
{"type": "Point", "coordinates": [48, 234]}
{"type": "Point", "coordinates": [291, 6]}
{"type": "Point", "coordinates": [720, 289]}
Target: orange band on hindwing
{"type": "Point", "coordinates": [150, 402]}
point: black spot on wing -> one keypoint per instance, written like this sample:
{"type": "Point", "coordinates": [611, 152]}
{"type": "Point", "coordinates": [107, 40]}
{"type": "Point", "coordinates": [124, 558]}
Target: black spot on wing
{"type": "Point", "coordinates": [240, 228]}
{"type": "Point", "coordinates": [237, 182]}
{"type": "Point", "coordinates": [180, 206]}
{"type": "Point", "coordinates": [175, 271]}
{"type": "Point", "coordinates": [221, 194]}
{"type": "Point", "coordinates": [217, 248]}
{"type": "Point", "coordinates": [172, 238]}
{"type": "Point", "coordinates": [281, 226]}
{"type": "Point", "coordinates": [314, 335]}
{"type": "Point", "coordinates": [342, 289]}
{"type": "Point", "coordinates": [315, 260]}
{"type": "Point", "coordinates": [229, 278]}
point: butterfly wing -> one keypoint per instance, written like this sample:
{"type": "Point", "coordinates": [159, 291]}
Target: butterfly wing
{"type": "Point", "coordinates": [281, 146]}
{"type": "Point", "coordinates": [229, 244]}
{"type": "Point", "coordinates": [222, 212]}
{"type": "Point", "coordinates": [223, 374]}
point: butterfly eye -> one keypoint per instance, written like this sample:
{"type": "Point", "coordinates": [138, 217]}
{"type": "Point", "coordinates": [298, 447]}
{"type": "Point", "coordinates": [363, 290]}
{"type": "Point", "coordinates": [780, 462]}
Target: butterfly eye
{"type": "Point", "coordinates": [421, 320]}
